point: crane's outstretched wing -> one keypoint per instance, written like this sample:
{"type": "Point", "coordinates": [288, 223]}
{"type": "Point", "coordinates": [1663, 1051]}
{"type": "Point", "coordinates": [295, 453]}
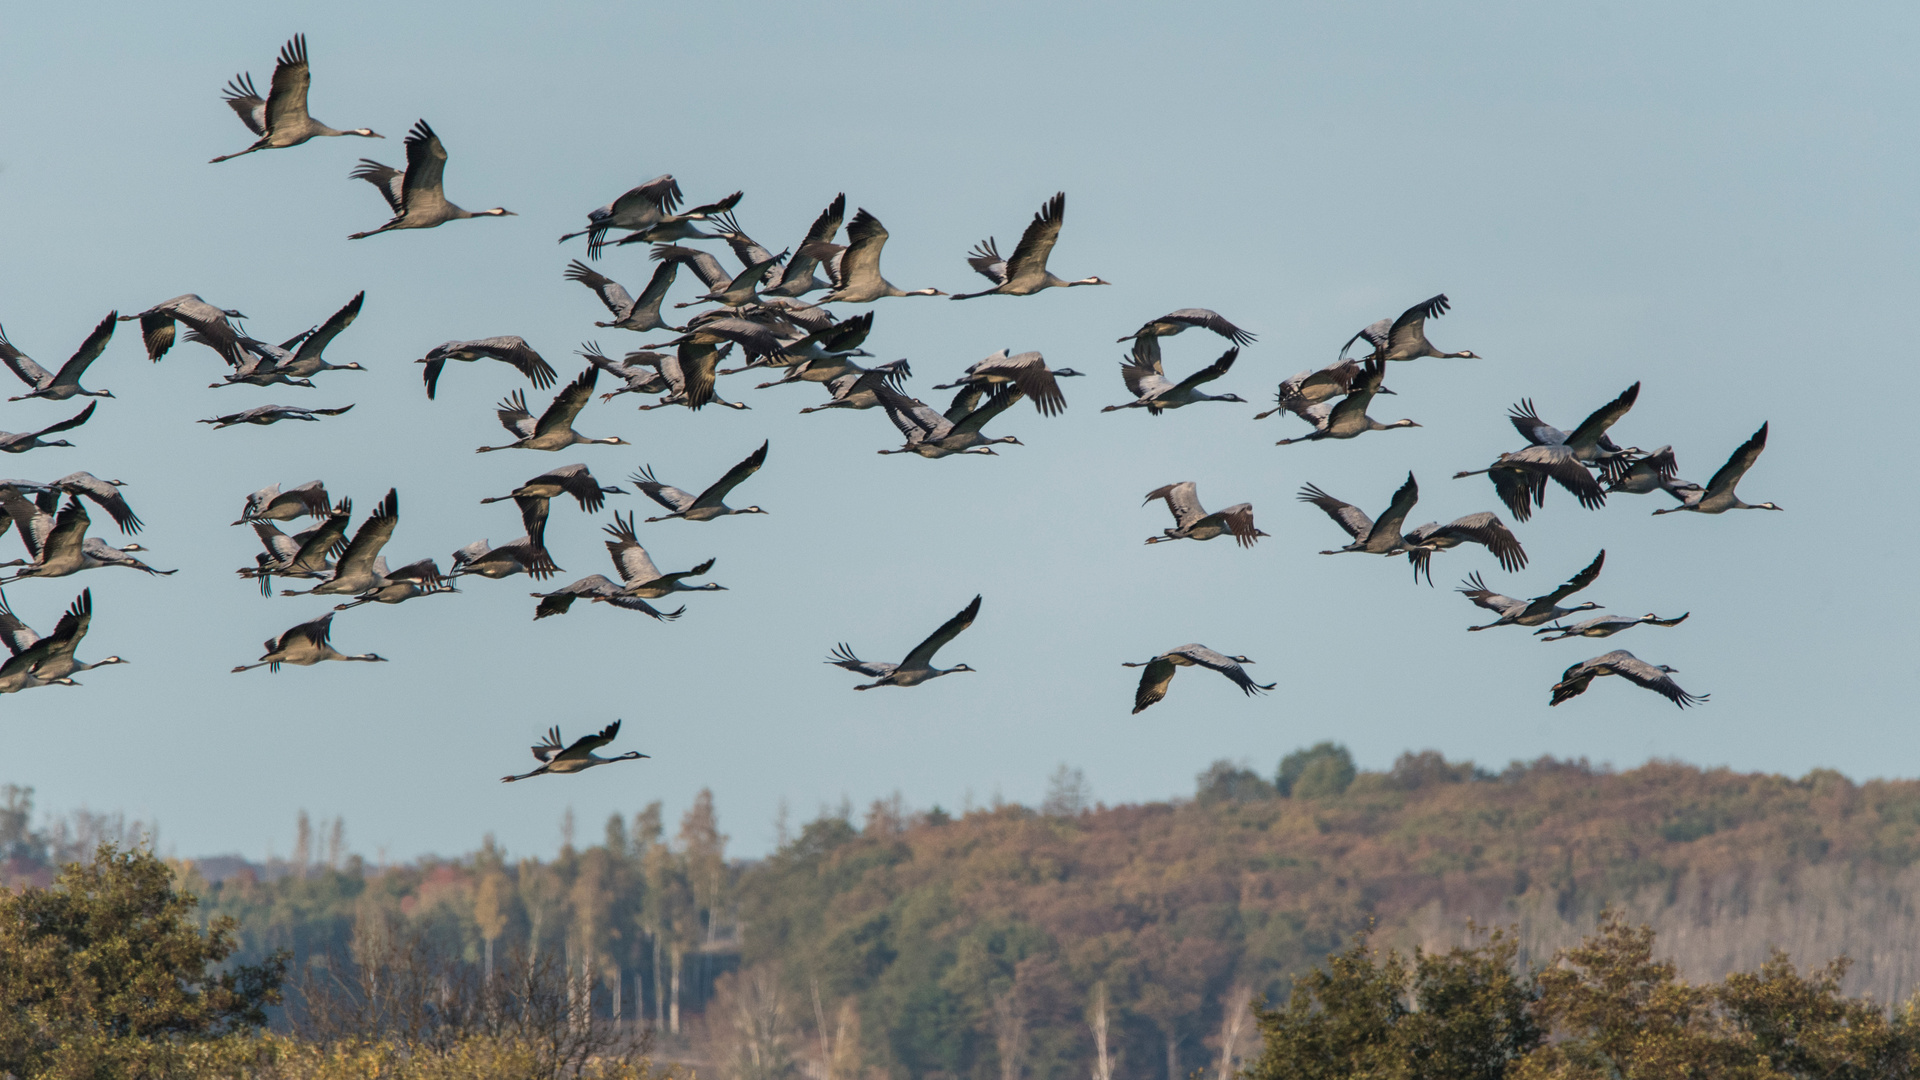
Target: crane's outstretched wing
{"type": "Point", "coordinates": [1153, 681]}
{"type": "Point", "coordinates": [1578, 581]}
{"type": "Point", "coordinates": [1594, 427]}
{"type": "Point", "coordinates": [1225, 665]}
{"type": "Point", "coordinates": [1344, 514]}
{"type": "Point", "coordinates": [922, 654]}
{"type": "Point", "coordinates": [1183, 499]}
{"type": "Point", "coordinates": [737, 475]}
{"type": "Point", "coordinates": [1724, 481]}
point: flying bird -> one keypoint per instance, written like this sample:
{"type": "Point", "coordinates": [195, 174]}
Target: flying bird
{"type": "Point", "coordinates": [1027, 370]}
{"type": "Point", "coordinates": [856, 268]}
{"type": "Point", "coordinates": [42, 383]}
{"type": "Point", "coordinates": [576, 758]}
{"type": "Point", "coordinates": [357, 572]}
{"type": "Point", "coordinates": [1405, 338]}
{"type": "Point", "coordinates": [510, 349]}
{"type": "Point", "coordinates": [629, 313]}
{"type": "Point", "coordinates": [214, 325]}
{"type": "Point", "coordinates": [1160, 671]}
{"type": "Point", "coordinates": [935, 435]}
{"type": "Point", "coordinates": [1146, 340]}
{"type": "Point", "coordinates": [40, 661]}
{"type": "Point", "coordinates": [272, 504]}
{"type": "Point", "coordinates": [280, 118]}
{"type": "Point", "coordinates": [575, 480]}
{"type": "Point", "coordinates": [1540, 609]}
{"type": "Point", "coordinates": [1482, 528]}
{"type": "Point", "coordinates": [1576, 679]}
{"type": "Point", "coordinates": [1717, 497]}
{"type": "Point", "coordinates": [415, 195]}
{"type": "Point", "coordinates": [1156, 393]}
{"type": "Point", "coordinates": [1298, 394]}
{"type": "Point", "coordinates": [306, 645]}
{"type": "Point", "coordinates": [1607, 626]}
{"type": "Point", "coordinates": [1347, 418]}
{"type": "Point", "coordinates": [918, 666]}
{"type": "Point", "coordinates": [1371, 537]}
{"type": "Point", "coordinates": [522, 556]}
{"type": "Point", "coordinates": [19, 442]}
{"type": "Point", "coordinates": [1192, 522]}
{"type": "Point", "coordinates": [421, 578]}
{"type": "Point", "coordinates": [554, 429]}
{"type": "Point", "coordinates": [710, 503]}
{"type": "Point", "coordinates": [1025, 271]}
{"type": "Point", "coordinates": [270, 414]}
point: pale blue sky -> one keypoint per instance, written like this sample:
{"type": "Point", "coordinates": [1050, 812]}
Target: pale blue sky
{"type": "Point", "coordinates": [1716, 200]}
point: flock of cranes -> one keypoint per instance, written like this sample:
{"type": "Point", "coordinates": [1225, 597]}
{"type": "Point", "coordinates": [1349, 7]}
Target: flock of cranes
{"type": "Point", "coordinates": [775, 312]}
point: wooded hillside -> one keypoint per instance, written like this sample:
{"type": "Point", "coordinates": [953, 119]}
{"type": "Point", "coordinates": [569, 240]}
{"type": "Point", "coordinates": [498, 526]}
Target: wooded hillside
{"type": "Point", "coordinates": [920, 943]}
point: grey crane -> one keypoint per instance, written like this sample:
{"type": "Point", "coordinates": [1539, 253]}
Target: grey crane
{"type": "Point", "coordinates": [1607, 626]}
{"type": "Point", "coordinates": [1483, 528]}
{"type": "Point", "coordinates": [1655, 471]}
{"type": "Point", "coordinates": [42, 383]}
{"type": "Point", "coordinates": [1156, 393]}
{"type": "Point", "coordinates": [272, 504]}
{"type": "Point", "coordinates": [600, 589]}
{"type": "Point", "coordinates": [687, 374]}
{"type": "Point", "coordinates": [307, 360]}
{"type": "Point", "coordinates": [629, 313]}
{"type": "Point", "coordinates": [796, 278]}
{"type": "Point", "coordinates": [576, 758]}
{"type": "Point", "coordinates": [710, 503]}
{"type": "Point", "coordinates": [856, 269]}
{"type": "Point", "coordinates": [1146, 340]}
{"type": "Point", "coordinates": [1160, 671]}
{"type": "Point", "coordinates": [1540, 609]}
{"type": "Point", "coordinates": [306, 645]}
{"type": "Point", "coordinates": [416, 196]}
{"type": "Point", "coordinates": [730, 290]}
{"type": "Point", "coordinates": [1588, 442]}
{"type": "Point", "coordinates": [1370, 537]}
{"type": "Point", "coordinates": [820, 355]}
{"type": "Point", "coordinates": [855, 389]}
{"type": "Point", "coordinates": [263, 366]}
{"type": "Point", "coordinates": [307, 554]}
{"type": "Point", "coordinates": [1298, 394]}
{"type": "Point", "coordinates": [509, 349]}
{"type": "Point", "coordinates": [641, 206]}
{"type": "Point", "coordinates": [1405, 338]}
{"type": "Point", "coordinates": [355, 572]}
{"type": "Point", "coordinates": [39, 661]}
{"type": "Point", "coordinates": [421, 578]}
{"type": "Point", "coordinates": [272, 414]}
{"type": "Point", "coordinates": [933, 435]}
{"type": "Point", "coordinates": [575, 480]}
{"type": "Point", "coordinates": [1192, 522]}
{"type": "Point", "coordinates": [522, 556]}
{"type": "Point", "coordinates": [19, 442]}
{"type": "Point", "coordinates": [1577, 678]}
{"type": "Point", "coordinates": [1347, 418]}
{"type": "Point", "coordinates": [641, 580]}
{"type": "Point", "coordinates": [1718, 496]}
{"type": "Point", "coordinates": [1520, 478]}
{"type": "Point", "coordinates": [280, 118]}
{"type": "Point", "coordinates": [650, 212]}
{"type": "Point", "coordinates": [1027, 370]}
{"type": "Point", "coordinates": [639, 370]}
{"type": "Point", "coordinates": [554, 429]}
{"type": "Point", "coordinates": [1025, 271]}
{"type": "Point", "coordinates": [918, 665]}
{"type": "Point", "coordinates": [696, 360]}
{"type": "Point", "coordinates": [215, 326]}
{"type": "Point", "coordinates": [39, 518]}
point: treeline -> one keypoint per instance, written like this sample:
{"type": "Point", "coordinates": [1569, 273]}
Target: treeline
{"type": "Point", "coordinates": [1071, 939]}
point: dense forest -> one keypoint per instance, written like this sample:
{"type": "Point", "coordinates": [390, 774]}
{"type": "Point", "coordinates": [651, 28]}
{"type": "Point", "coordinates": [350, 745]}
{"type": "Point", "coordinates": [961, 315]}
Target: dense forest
{"type": "Point", "coordinates": [1073, 939]}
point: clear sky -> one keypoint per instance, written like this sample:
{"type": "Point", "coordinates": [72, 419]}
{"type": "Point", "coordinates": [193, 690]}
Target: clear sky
{"type": "Point", "coordinates": [1715, 200]}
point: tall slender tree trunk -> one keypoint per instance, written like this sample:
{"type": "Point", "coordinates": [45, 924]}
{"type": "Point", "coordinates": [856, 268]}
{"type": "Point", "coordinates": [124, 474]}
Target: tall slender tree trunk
{"type": "Point", "coordinates": [673, 1001]}
{"type": "Point", "coordinates": [619, 983]}
{"type": "Point", "coordinates": [1102, 1065]}
{"type": "Point", "coordinates": [1173, 1056]}
{"type": "Point", "coordinates": [659, 987]}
